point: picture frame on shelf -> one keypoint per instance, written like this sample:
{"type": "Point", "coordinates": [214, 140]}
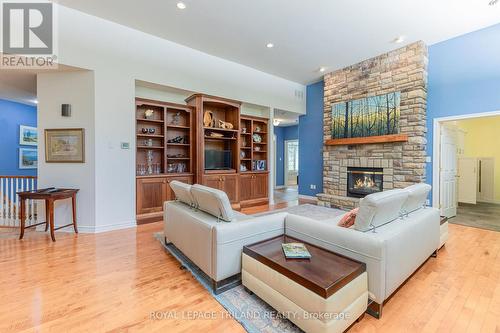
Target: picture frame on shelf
{"type": "Point", "coordinates": [66, 145]}
{"type": "Point", "coordinates": [28, 135]}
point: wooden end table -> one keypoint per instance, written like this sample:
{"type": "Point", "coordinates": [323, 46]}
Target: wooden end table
{"type": "Point", "coordinates": [267, 272]}
{"type": "Point", "coordinates": [49, 197]}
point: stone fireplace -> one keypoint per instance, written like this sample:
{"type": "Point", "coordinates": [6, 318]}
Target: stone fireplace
{"type": "Point", "coordinates": [388, 164]}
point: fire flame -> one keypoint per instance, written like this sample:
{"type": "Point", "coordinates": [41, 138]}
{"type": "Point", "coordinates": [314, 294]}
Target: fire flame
{"type": "Point", "coordinates": [367, 182]}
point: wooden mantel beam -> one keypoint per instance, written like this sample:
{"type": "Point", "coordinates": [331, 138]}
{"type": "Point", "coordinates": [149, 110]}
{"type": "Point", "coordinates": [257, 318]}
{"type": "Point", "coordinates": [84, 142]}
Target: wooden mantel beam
{"type": "Point", "coordinates": [368, 140]}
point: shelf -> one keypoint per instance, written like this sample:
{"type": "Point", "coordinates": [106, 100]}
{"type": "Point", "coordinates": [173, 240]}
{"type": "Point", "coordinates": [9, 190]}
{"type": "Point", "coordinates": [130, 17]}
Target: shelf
{"type": "Point", "coordinates": [221, 129]}
{"type": "Point", "coordinates": [368, 140]}
{"type": "Point", "coordinates": [220, 171]}
{"type": "Point", "coordinates": [245, 159]}
{"type": "Point", "coordinates": [260, 151]}
{"type": "Point", "coordinates": [255, 132]}
{"type": "Point", "coordinates": [260, 143]}
{"type": "Point", "coordinates": [179, 144]}
{"type": "Point", "coordinates": [178, 158]}
{"type": "Point", "coordinates": [149, 147]}
{"type": "Point", "coordinates": [178, 127]}
{"type": "Point", "coordinates": [245, 147]}
{"type": "Point", "coordinates": [150, 120]}
{"type": "Point", "coordinates": [216, 138]}
{"type": "Point", "coordinates": [246, 133]}
{"type": "Point", "coordinates": [150, 135]}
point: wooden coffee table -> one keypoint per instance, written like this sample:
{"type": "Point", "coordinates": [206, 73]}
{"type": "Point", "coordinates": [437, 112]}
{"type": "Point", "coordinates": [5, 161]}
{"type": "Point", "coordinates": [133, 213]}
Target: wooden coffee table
{"type": "Point", "coordinates": [328, 284]}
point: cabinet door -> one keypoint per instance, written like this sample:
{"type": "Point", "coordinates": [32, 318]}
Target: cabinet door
{"type": "Point", "coordinates": [260, 186]}
{"type": "Point", "coordinates": [246, 187]}
{"type": "Point", "coordinates": [230, 185]}
{"type": "Point", "coordinates": [184, 179]}
{"type": "Point", "coordinates": [214, 181]}
{"type": "Point", "coordinates": [151, 193]}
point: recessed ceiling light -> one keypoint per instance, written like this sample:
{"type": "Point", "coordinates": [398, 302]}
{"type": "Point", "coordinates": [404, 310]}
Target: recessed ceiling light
{"type": "Point", "coordinates": [399, 39]}
{"type": "Point", "coordinates": [322, 69]}
{"type": "Point", "coordinates": [181, 5]}
{"type": "Point", "coordinates": [269, 45]}
{"type": "Point", "coordinates": [35, 101]}
{"type": "Point", "coordinates": [493, 2]}
{"type": "Point", "coordinates": [276, 122]}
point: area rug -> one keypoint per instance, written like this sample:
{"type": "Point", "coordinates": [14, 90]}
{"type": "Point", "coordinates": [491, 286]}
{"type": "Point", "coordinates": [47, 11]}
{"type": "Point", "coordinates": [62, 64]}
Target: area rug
{"type": "Point", "coordinates": [249, 310]}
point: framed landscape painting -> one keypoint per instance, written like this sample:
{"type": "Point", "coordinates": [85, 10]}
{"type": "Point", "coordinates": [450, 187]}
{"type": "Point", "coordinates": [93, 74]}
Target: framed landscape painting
{"type": "Point", "coordinates": [28, 136]}
{"type": "Point", "coordinates": [365, 117]}
{"type": "Point", "coordinates": [28, 158]}
{"type": "Point", "coordinates": [65, 145]}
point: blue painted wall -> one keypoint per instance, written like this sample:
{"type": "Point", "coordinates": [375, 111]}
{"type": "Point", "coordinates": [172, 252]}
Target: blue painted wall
{"type": "Point", "coordinates": [283, 134]}
{"type": "Point", "coordinates": [311, 142]}
{"type": "Point", "coordinates": [464, 78]}
{"type": "Point", "coordinates": [12, 115]}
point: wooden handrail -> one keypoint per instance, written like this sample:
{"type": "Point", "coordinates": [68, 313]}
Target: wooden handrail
{"type": "Point", "coordinates": [25, 177]}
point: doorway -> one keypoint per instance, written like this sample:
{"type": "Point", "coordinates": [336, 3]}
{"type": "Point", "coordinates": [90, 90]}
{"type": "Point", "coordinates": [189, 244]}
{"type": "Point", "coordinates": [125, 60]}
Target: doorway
{"type": "Point", "coordinates": [466, 171]}
{"type": "Point", "coordinates": [291, 171]}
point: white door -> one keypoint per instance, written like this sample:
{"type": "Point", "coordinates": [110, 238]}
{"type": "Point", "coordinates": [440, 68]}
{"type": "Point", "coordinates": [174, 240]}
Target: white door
{"type": "Point", "coordinates": [291, 162]}
{"type": "Point", "coordinates": [467, 181]}
{"type": "Point", "coordinates": [486, 180]}
{"type": "Point", "coordinates": [448, 173]}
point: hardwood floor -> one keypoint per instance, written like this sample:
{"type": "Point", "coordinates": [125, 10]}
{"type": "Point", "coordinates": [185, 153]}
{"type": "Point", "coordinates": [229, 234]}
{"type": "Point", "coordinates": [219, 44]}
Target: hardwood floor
{"type": "Point", "coordinates": [111, 282]}
{"type": "Point", "coordinates": [482, 215]}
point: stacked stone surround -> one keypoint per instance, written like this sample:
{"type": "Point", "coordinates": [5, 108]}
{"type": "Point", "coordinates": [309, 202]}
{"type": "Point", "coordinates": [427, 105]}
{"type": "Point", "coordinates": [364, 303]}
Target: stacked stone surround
{"type": "Point", "coordinates": [403, 70]}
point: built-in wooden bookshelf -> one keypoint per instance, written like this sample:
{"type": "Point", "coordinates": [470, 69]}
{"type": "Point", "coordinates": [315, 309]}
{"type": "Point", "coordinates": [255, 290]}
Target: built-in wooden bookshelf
{"type": "Point", "coordinates": [166, 135]}
{"type": "Point", "coordinates": [253, 144]}
{"type": "Point", "coordinates": [166, 138]}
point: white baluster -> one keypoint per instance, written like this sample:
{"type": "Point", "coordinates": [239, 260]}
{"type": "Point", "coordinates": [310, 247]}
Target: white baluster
{"type": "Point", "coordinates": [2, 212]}
{"type": "Point", "coordinates": [11, 203]}
{"type": "Point", "coordinates": [17, 207]}
{"type": "Point", "coordinates": [33, 204]}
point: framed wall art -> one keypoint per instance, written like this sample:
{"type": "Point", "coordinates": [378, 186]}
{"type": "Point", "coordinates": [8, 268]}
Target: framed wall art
{"type": "Point", "coordinates": [66, 145]}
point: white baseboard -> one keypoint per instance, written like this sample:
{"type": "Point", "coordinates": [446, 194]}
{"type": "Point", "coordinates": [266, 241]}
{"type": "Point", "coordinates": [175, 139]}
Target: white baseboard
{"type": "Point", "coordinates": [308, 197]}
{"type": "Point", "coordinates": [107, 227]}
{"type": "Point", "coordinates": [280, 187]}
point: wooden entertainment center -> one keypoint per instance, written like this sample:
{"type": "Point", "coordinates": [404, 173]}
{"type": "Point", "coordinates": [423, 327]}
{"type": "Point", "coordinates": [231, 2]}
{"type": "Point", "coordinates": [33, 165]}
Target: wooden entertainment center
{"type": "Point", "coordinates": [207, 141]}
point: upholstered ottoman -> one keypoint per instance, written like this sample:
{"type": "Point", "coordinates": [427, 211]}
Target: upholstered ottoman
{"type": "Point", "coordinates": [326, 293]}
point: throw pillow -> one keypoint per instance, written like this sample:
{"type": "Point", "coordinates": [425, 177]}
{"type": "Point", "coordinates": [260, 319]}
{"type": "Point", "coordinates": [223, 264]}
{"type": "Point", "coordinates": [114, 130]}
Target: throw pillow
{"type": "Point", "coordinates": [348, 219]}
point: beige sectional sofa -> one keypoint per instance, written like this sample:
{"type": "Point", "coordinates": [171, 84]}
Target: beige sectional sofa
{"type": "Point", "coordinates": [394, 235]}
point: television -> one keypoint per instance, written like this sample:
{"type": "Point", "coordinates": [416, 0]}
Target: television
{"type": "Point", "coordinates": [218, 159]}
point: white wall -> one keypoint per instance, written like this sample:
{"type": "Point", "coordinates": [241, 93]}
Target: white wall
{"type": "Point", "coordinates": [119, 56]}
{"type": "Point", "coordinates": [77, 89]}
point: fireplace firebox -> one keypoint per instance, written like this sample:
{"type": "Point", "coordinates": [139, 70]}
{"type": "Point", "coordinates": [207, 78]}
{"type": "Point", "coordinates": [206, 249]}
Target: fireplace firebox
{"type": "Point", "coordinates": [364, 181]}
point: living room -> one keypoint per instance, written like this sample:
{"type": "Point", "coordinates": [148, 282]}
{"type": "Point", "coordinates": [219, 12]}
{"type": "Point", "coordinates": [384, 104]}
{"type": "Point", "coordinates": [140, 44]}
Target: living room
{"type": "Point", "coordinates": [158, 133]}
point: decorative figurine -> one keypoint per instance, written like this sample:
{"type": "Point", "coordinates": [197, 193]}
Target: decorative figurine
{"type": "Point", "coordinates": [148, 114]}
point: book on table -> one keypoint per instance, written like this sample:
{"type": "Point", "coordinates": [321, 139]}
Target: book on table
{"type": "Point", "coordinates": [295, 251]}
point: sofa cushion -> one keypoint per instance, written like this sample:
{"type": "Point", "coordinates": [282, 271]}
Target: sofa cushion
{"type": "Point", "coordinates": [213, 201]}
{"type": "Point", "coordinates": [182, 192]}
{"type": "Point", "coordinates": [348, 219]}
{"type": "Point", "coordinates": [417, 197]}
{"type": "Point", "coordinates": [379, 208]}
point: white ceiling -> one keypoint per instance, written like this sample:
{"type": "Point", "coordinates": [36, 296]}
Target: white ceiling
{"type": "Point", "coordinates": [307, 34]}
{"type": "Point", "coordinates": [286, 118]}
{"type": "Point", "coordinates": [18, 86]}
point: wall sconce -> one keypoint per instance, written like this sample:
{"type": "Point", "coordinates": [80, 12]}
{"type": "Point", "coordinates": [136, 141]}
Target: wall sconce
{"type": "Point", "coordinates": [66, 110]}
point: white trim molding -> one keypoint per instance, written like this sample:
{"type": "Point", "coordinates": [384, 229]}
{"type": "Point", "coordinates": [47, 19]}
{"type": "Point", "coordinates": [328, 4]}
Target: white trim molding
{"type": "Point", "coordinates": [105, 228]}
{"type": "Point", "coordinates": [308, 197]}
{"type": "Point", "coordinates": [436, 153]}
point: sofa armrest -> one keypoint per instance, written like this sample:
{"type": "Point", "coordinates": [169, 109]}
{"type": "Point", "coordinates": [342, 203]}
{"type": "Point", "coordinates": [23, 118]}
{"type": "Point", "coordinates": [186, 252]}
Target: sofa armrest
{"type": "Point", "coordinates": [229, 239]}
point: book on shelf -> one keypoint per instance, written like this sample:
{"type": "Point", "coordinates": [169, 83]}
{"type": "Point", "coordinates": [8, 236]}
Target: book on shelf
{"type": "Point", "coordinates": [295, 251]}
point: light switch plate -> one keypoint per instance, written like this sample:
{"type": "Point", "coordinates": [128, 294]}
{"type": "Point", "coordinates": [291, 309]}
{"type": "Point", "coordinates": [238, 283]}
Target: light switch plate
{"type": "Point", "coordinates": [125, 145]}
